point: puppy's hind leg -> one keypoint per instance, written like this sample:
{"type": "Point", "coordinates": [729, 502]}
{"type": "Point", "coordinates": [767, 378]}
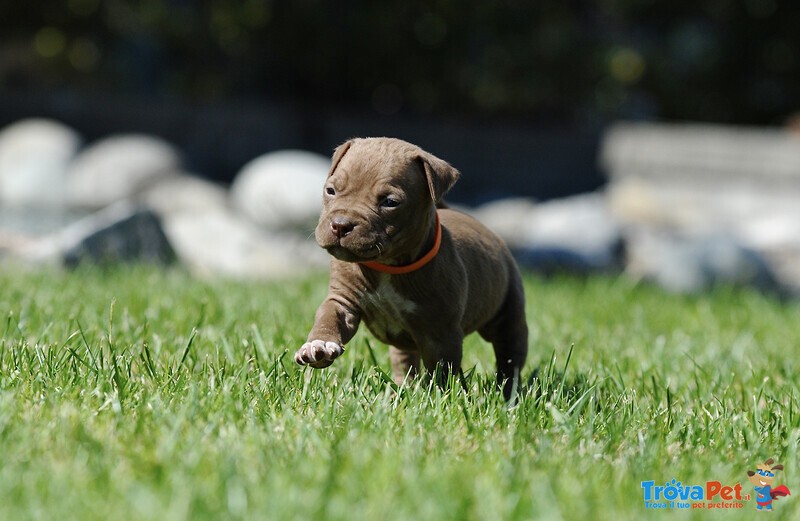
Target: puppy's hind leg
{"type": "Point", "coordinates": [508, 334]}
{"type": "Point", "coordinates": [441, 356]}
{"type": "Point", "coordinates": [405, 364]}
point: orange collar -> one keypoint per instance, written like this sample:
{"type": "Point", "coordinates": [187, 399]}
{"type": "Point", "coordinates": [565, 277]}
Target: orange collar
{"type": "Point", "coordinates": [414, 266]}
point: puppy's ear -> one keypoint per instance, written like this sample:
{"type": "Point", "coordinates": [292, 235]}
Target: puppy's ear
{"type": "Point", "coordinates": [777, 467]}
{"type": "Point", "coordinates": [338, 154]}
{"type": "Point", "coordinates": [440, 174]}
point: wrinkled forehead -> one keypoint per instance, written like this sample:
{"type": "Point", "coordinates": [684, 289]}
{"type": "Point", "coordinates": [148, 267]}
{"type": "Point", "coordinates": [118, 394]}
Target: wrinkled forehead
{"type": "Point", "coordinates": [373, 164]}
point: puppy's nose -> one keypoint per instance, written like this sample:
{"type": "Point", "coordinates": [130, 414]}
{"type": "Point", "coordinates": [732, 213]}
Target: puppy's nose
{"type": "Point", "coordinates": [341, 227]}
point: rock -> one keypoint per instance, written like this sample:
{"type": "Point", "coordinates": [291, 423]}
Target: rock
{"type": "Point", "coordinates": [137, 237]}
{"type": "Point", "coordinates": [695, 182]}
{"type": "Point", "coordinates": [575, 234]}
{"type": "Point", "coordinates": [119, 167]}
{"type": "Point", "coordinates": [219, 241]}
{"type": "Point", "coordinates": [282, 190]}
{"type": "Point", "coordinates": [693, 265]}
{"type": "Point", "coordinates": [209, 241]}
{"type": "Point", "coordinates": [507, 218]}
{"type": "Point", "coordinates": [34, 157]}
{"type": "Point", "coordinates": [212, 239]}
{"type": "Point", "coordinates": [696, 153]}
{"type": "Point", "coordinates": [582, 223]}
{"type": "Point", "coordinates": [184, 193]}
{"type": "Point", "coordinates": [37, 221]}
{"type": "Point", "coordinates": [553, 260]}
{"type": "Point", "coordinates": [121, 232]}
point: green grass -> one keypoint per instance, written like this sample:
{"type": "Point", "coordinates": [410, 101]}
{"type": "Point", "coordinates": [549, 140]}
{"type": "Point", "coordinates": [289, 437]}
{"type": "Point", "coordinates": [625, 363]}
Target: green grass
{"type": "Point", "coordinates": [148, 395]}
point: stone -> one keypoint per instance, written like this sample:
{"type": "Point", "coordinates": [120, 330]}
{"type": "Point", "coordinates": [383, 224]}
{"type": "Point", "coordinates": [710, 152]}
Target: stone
{"type": "Point", "coordinates": [582, 223]}
{"type": "Point", "coordinates": [575, 234]}
{"type": "Point", "coordinates": [183, 193]}
{"type": "Point", "coordinates": [282, 190]}
{"type": "Point", "coordinates": [212, 239]}
{"type": "Point", "coordinates": [694, 182]}
{"type": "Point", "coordinates": [507, 217]}
{"type": "Point", "coordinates": [122, 232]}
{"type": "Point", "coordinates": [693, 265]}
{"type": "Point", "coordinates": [119, 167]}
{"type": "Point", "coordinates": [220, 242]}
{"type": "Point", "coordinates": [34, 157]}
{"type": "Point", "coordinates": [698, 152]}
{"type": "Point", "coordinates": [135, 238]}
{"type": "Point", "coordinates": [37, 221]}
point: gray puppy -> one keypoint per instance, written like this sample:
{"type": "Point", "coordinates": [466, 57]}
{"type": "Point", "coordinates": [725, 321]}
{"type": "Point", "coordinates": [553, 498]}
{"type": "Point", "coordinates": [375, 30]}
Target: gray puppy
{"type": "Point", "coordinates": [419, 276]}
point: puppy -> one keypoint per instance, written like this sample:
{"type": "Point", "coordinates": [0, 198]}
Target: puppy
{"type": "Point", "coordinates": [420, 277]}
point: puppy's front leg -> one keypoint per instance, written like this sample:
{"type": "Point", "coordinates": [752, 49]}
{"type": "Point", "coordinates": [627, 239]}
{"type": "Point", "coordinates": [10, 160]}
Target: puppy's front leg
{"type": "Point", "coordinates": [334, 326]}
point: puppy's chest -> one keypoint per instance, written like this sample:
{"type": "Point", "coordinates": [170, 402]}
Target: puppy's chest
{"type": "Point", "coordinates": [388, 314]}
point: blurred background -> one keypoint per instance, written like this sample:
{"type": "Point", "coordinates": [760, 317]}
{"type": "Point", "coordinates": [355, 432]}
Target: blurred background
{"type": "Point", "coordinates": [525, 98]}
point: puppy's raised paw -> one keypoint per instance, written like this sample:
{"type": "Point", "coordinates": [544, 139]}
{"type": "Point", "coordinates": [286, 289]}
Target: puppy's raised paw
{"type": "Point", "coordinates": [318, 353]}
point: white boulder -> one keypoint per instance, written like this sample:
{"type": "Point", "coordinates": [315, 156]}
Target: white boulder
{"type": "Point", "coordinates": [220, 242]}
{"type": "Point", "coordinates": [34, 157]}
{"type": "Point", "coordinates": [118, 167]}
{"type": "Point", "coordinates": [574, 234]}
{"type": "Point", "coordinates": [282, 190]}
{"type": "Point", "coordinates": [184, 193]}
{"type": "Point", "coordinates": [582, 223]}
{"type": "Point", "coordinates": [509, 218]}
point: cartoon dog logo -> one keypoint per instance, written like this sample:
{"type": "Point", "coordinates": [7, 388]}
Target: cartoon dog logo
{"type": "Point", "coordinates": [762, 480]}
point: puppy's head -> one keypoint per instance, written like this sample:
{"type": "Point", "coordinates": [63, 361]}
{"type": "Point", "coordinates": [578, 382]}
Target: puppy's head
{"type": "Point", "coordinates": [379, 200]}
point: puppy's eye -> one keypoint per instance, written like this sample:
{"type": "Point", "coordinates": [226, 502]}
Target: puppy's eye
{"type": "Point", "coordinates": [330, 190]}
{"type": "Point", "coordinates": [389, 202]}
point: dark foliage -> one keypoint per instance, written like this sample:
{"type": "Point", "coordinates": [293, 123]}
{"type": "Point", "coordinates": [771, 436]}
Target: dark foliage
{"type": "Point", "coordinates": [735, 61]}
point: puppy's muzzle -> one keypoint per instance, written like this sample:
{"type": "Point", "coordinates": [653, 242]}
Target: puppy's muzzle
{"type": "Point", "coordinates": [341, 226]}
{"type": "Point", "coordinates": [347, 238]}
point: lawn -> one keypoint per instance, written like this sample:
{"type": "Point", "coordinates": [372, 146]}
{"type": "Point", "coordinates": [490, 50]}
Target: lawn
{"type": "Point", "coordinates": [142, 394]}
